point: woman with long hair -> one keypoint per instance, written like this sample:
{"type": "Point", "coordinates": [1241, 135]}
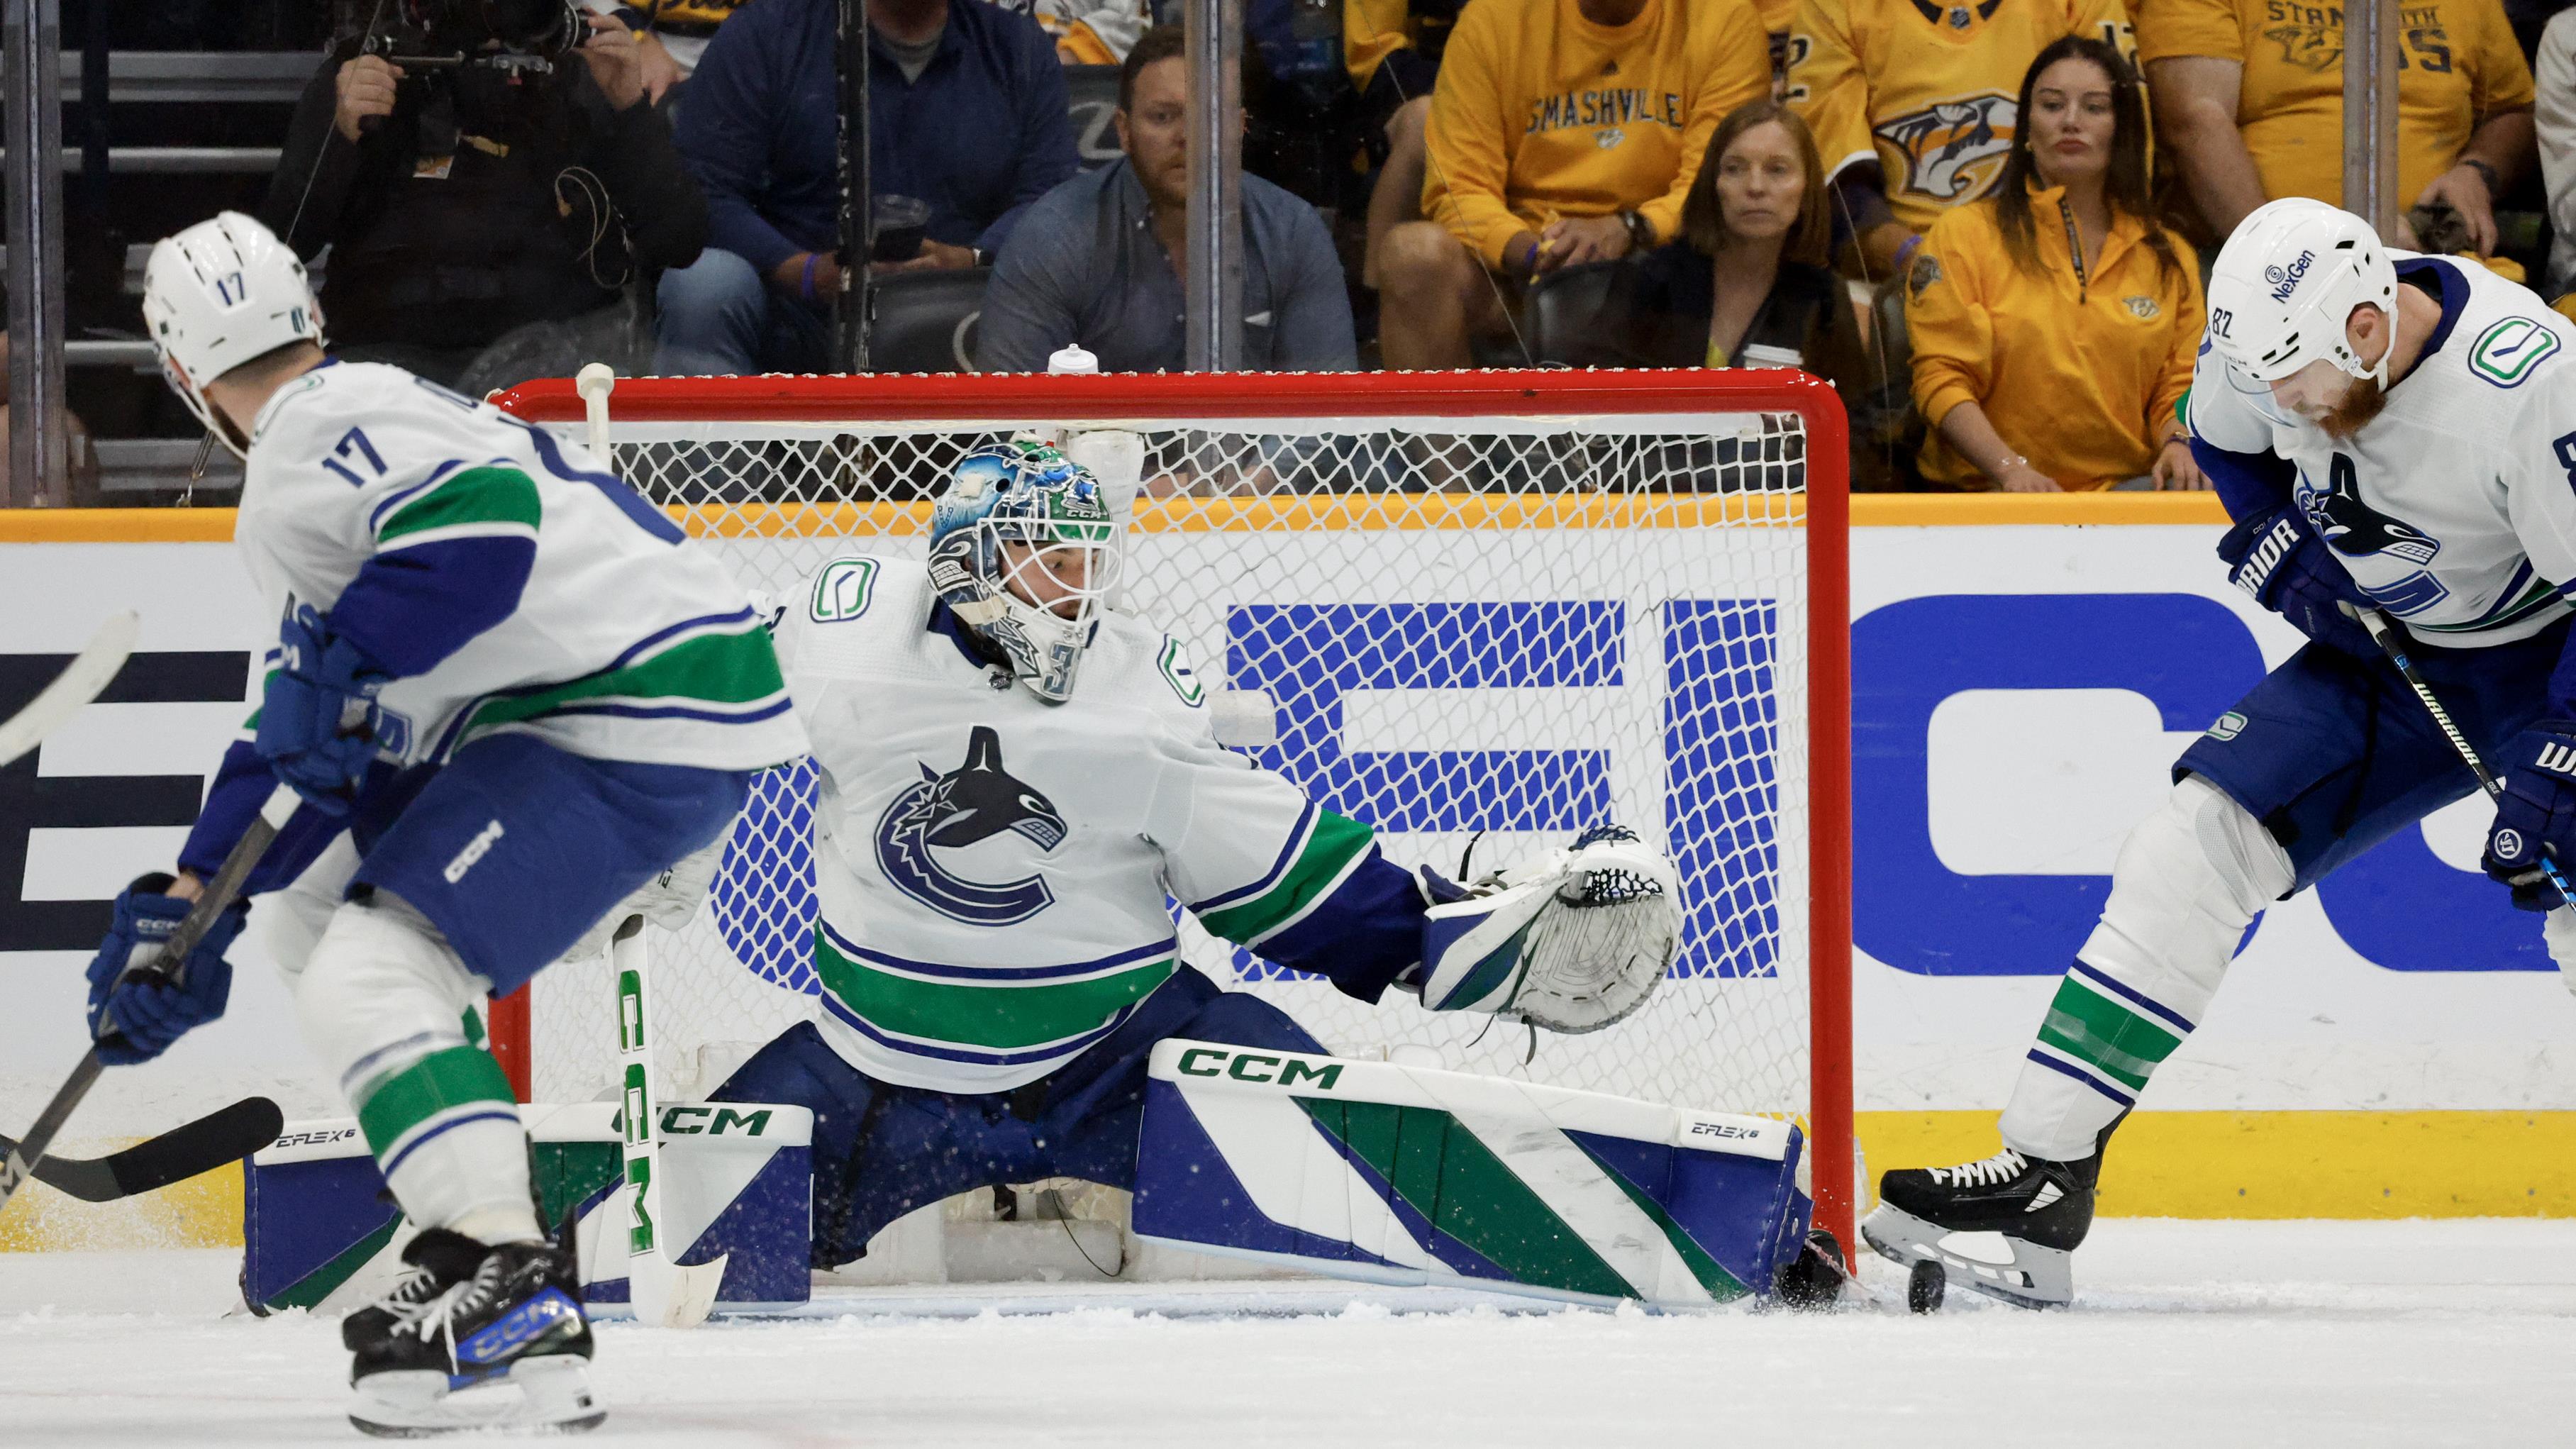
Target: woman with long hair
{"type": "Point", "coordinates": [1745, 284]}
{"type": "Point", "coordinates": [2054, 322]}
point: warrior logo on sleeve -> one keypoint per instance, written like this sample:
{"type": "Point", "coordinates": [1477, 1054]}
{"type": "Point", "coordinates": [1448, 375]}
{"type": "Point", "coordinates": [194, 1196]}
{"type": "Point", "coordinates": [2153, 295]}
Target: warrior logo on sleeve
{"type": "Point", "coordinates": [972, 803]}
{"type": "Point", "coordinates": [1954, 149]}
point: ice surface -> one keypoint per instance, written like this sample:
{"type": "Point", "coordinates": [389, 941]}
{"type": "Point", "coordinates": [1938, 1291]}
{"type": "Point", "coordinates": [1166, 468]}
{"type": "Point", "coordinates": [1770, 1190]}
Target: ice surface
{"type": "Point", "coordinates": [2197, 1334]}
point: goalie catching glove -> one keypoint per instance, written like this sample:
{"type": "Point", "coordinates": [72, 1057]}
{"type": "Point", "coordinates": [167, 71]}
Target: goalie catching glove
{"type": "Point", "coordinates": [1573, 941]}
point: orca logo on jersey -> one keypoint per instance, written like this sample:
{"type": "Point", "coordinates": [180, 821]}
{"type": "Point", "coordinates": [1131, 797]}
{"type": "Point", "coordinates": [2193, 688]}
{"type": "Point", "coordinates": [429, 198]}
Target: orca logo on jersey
{"type": "Point", "coordinates": [2355, 529]}
{"type": "Point", "coordinates": [1954, 149]}
{"type": "Point", "coordinates": [972, 803]}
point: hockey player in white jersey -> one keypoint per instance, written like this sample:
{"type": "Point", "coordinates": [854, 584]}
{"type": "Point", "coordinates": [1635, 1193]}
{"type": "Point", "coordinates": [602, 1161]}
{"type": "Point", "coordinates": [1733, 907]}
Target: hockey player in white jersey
{"type": "Point", "coordinates": [2387, 431]}
{"type": "Point", "coordinates": [510, 694]}
{"type": "Point", "coordinates": [1015, 780]}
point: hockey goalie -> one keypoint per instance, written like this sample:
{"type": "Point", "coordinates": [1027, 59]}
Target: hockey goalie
{"type": "Point", "coordinates": [1016, 783]}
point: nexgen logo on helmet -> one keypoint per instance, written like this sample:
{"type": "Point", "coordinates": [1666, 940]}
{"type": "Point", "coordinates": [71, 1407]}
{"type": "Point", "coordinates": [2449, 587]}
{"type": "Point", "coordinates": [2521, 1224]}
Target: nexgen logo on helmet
{"type": "Point", "coordinates": [2286, 283]}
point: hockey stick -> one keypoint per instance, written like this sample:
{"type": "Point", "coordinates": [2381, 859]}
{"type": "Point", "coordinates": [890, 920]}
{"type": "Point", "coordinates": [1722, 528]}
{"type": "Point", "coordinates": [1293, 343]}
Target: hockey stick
{"type": "Point", "coordinates": [172, 959]}
{"type": "Point", "coordinates": [81, 681]}
{"type": "Point", "coordinates": [663, 1291]}
{"type": "Point", "coordinates": [227, 1134]}
{"type": "Point", "coordinates": [2391, 643]}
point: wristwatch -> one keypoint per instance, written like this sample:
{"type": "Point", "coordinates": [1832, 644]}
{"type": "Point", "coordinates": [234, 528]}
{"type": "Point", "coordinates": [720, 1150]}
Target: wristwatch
{"type": "Point", "coordinates": [1641, 232]}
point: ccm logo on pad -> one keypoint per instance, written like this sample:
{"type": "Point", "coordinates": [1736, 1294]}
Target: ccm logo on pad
{"type": "Point", "coordinates": [1257, 1067]}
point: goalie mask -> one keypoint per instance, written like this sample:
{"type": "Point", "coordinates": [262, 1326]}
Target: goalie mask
{"type": "Point", "coordinates": [1025, 552]}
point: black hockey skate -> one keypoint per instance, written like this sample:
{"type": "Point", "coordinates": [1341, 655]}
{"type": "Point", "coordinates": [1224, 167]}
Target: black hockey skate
{"type": "Point", "coordinates": [435, 1261]}
{"type": "Point", "coordinates": [2039, 1210]}
{"type": "Point", "coordinates": [506, 1347]}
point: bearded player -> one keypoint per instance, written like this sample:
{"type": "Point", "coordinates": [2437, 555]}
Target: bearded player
{"type": "Point", "coordinates": [2390, 432]}
{"type": "Point", "coordinates": [1016, 780]}
{"type": "Point", "coordinates": [511, 696]}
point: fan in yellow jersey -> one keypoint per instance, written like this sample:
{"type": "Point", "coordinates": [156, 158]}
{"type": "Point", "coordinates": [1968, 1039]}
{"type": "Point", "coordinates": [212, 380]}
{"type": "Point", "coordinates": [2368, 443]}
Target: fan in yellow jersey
{"type": "Point", "coordinates": [2249, 97]}
{"type": "Point", "coordinates": [1561, 132]}
{"type": "Point", "coordinates": [1912, 102]}
{"type": "Point", "coordinates": [2052, 338]}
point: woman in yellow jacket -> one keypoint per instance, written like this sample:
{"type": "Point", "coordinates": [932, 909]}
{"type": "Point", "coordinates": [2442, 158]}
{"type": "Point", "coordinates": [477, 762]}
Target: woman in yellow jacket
{"type": "Point", "coordinates": [2054, 323]}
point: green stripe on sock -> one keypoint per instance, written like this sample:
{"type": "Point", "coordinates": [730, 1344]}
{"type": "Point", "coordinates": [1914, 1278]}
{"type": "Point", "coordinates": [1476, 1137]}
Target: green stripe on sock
{"type": "Point", "coordinates": [2095, 1029]}
{"type": "Point", "coordinates": [995, 1017]}
{"type": "Point", "coordinates": [721, 669]}
{"type": "Point", "coordinates": [456, 1077]}
{"type": "Point", "coordinates": [1447, 1174]}
{"type": "Point", "coordinates": [1336, 841]}
{"type": "Point", "coordinates": [1721, 1284]}
{"type": "Point", "coordinates": [475, 495]}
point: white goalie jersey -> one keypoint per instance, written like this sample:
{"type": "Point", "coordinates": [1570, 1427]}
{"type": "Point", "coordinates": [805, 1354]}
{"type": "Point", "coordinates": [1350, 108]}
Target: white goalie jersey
{"type": "Point", "coordinates": [992, 869]}
{"type": "Point", "coordinates": [2454, 509]}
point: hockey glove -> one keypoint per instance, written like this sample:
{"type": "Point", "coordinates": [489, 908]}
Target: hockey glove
{"type": "Point", "coordinates": [147, 1011]}
{"type": "Point", "coordinates": [2536, 814]}
{"type": "Point", "coordinates": [1572, 941]}
{"type": "Point", "coordinates": [318, 718]}
{"type": "Point", "coordinates": [2274, 557]}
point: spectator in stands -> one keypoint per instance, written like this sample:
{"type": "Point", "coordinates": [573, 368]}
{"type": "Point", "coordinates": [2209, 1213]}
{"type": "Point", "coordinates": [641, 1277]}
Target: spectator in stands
{"type": "Point", "coordinates": [1392, 49]}
{"type": "Point", "coordinates": [2249, 103]}
{"type": "Point", "coordinates": [1746, 284]}
{"type": "Point", "coordinates": [1911, 102]}
{"type": "Point", "coordinates": [1097, 261]}
{"type": "Point", "coordinates": [2054, 323]}
{"type": "Point", "coordinates": [2554, 73]}
{"type": "Point", "coordinates": [483, 222]}
{"type": "Point", "coordinates": [966, 111]}
{"type": "Point", "coordinates": [1561, 132]}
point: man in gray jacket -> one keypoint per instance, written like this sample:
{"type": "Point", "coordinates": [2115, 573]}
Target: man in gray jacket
{"type": "Point", "coordinates": [1097, 260]}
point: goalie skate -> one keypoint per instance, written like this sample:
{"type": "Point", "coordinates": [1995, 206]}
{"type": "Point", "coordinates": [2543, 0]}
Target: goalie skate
{"type": "Point", "coordinates": [504, 1349]}
{"type": "Point", "coordinates": [2006, 1226]}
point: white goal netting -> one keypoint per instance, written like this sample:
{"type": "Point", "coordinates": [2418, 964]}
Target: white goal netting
{"type": "Point", "coordinates": [1477, 628]}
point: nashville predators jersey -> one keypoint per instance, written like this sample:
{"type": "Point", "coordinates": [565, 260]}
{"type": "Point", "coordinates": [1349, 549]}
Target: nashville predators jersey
{"type": "Point", "coordinates": [2457, 62]}
{"type": "Point", "coordinates": [1928, 88]}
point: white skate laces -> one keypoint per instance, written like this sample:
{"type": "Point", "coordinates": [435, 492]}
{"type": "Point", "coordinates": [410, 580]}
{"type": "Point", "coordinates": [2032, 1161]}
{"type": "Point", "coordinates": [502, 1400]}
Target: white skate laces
{"type": "Point", "coordinates": [2003, 1167]}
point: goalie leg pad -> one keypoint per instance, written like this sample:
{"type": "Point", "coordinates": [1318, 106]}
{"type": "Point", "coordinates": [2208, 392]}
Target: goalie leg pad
{"type": "Point", "coordinates": [1407, 1175]}
{"type": "Point", "coordinates": [2189, 879]}
{"type": "Point", "coordinates": [382, 1002]}
{"type": "Point", "coordinates": [1573, 942]}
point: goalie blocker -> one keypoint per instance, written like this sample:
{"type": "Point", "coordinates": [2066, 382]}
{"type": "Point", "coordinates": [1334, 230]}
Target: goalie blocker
{"type": "Point", "coordinates": [1406, 1175]}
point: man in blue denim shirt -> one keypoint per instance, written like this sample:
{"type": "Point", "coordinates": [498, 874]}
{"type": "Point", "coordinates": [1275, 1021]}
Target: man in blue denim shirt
{"type": "Point", "coordinates": [1099, 261]}
{"type": "Point", "coordinates": [966, 110]}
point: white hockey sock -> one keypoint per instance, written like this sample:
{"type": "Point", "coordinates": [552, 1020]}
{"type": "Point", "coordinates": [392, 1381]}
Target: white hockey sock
{"type": "Point", "coordinates": [2189, 879]}
{"type": "Point", "coordinates": [383, 1001]}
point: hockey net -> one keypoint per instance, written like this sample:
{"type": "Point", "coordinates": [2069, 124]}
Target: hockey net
{"type": "Point", "coordinates": [1486, 610]}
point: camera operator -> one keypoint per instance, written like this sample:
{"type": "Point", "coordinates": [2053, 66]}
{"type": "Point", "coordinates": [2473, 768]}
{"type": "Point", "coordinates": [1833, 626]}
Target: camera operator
{"type": "Point", "coordinates": [487, 207]}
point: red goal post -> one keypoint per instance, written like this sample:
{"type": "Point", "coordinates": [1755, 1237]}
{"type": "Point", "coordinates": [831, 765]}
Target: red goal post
{"type": "Point", "coordinates": [1590, 529]}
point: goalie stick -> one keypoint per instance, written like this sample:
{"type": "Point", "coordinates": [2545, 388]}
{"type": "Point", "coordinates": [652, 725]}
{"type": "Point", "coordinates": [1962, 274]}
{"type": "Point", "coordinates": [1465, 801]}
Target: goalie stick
{"type": "Point", "coordinates": [81, 681]}
{"type": "Point", "coordinates": [663, 1291]}
{"type": "Point", "coordinates": [227, 1134]}
{"type": "Point", "coordinates": [2390, 641]}
{"type": "Point", "coordinates": [218, 896]}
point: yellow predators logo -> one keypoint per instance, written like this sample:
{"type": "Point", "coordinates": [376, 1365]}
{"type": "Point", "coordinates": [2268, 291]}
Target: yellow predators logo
{"type": "Point", "coordinates": [1953, 149]}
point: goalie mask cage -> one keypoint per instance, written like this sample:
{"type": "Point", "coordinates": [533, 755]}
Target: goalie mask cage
{"type": "Point", "coordinates": [1489, 609]}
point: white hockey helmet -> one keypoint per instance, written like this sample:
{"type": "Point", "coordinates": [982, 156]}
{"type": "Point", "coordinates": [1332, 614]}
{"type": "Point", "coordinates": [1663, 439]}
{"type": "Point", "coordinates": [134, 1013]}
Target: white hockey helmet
{"type": "Point", "coordinates": [217, 295]}
{"type": "Point", "coordinates": [2285, 284]}
{"type": "Point", "coordinates": [1026, 493]}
